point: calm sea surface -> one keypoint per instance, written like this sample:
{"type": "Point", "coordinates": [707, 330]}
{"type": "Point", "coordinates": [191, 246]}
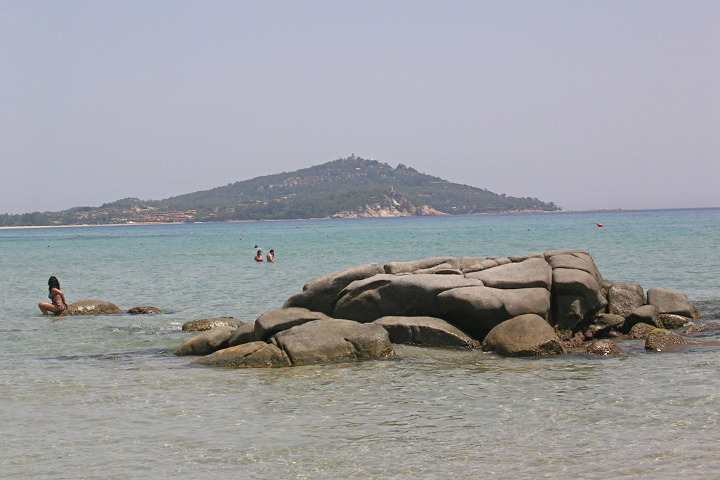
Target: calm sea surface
{"type": "Point", "coordinates": [103, 397]}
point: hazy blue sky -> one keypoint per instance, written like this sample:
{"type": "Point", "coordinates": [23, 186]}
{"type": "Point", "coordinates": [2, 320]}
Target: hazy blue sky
{"type": "Point", "coordinates": [603, 104]}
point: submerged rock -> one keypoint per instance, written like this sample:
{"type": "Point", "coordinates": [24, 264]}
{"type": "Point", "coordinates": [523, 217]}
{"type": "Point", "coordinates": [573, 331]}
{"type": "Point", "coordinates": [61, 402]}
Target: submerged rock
{"type": "Point", "coordinates": [209, 323]}
{"type": "Point", "coordinates": [144, 310]}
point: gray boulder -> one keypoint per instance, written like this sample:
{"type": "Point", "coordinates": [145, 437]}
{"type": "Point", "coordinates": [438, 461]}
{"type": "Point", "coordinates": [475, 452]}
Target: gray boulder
{"type": "Point", "coordinates": [331, 340]}
{"type": "Point", "coordinates": [478, 309]}
{"type": "Point", "coordinates": [319, 295]}
{"type": "Point", "coordinates": [244, 333]}
{"type": "Point", "coordinates": [670, 301]}
{"type": "Point", "coordinates": [524, 336]}
{"type": "Point", "coordinates": [207, 342]}
{"type": "Point", "coordinates": [531, 273]}
{"type": "Point", "coordinates": [624, 298]}
{"type": "Point", "coordinates": [395, 295]}
{"type": "Point", "coordinates": [269, 323]}
{"type": "Point", "coordinates": [426, 331]}
{"type": "Point", "coordinates": [247, 355]}
{"type": "Point", "coordinates": [409, 267]}
{"type": "Point", "coordinates": [90, 307]}
{"type": "Point", "coordinates": [209, 323]}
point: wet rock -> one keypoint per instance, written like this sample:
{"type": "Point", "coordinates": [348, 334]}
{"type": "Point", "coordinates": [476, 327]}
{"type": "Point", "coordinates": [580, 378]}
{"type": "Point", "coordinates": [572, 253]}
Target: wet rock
{"type": "Point", "coordinates": [247, 355]}
{"type": "Point", "coordinates": [90, 307]}
{"type": "Point", "coordinates": [426, 331]}
{"type": "Point", "coordinates": [641, 330]}
{"type": "Point", "coordinates": [604, 348]}
{"type": "Point", "coordinates": [701, 327]}
{"type": "Point", "coordinates": [524, 336]}
{"type": "Point", "coordinates": [207, 342]}
{"type": "Point", "coordinates": [660, 340]}
{"type": "Point", "coordinates": [144, 310]}
{"type": "Point", "coordinates": [671, 320]}
{"type": "Point", "coordinates": [209, 323]}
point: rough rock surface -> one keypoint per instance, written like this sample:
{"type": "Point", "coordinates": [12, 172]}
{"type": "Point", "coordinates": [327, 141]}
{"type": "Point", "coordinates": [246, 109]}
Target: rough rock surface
{"type": "Point", "coordinates": [426, 331]}
{"type": "Point", "coordinates": [90, 307]}
{"type": "Point", "coordinates": [524, 336]}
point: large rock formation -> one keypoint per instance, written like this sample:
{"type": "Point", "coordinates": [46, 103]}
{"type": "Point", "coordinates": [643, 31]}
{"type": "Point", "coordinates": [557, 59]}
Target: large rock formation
{"type": "Point", "coordinates": [534, 304]}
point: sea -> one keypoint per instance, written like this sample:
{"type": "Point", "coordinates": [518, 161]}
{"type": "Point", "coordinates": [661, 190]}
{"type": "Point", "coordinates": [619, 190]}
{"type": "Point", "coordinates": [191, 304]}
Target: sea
{"type": "Point", "coordinates": [103, 397]}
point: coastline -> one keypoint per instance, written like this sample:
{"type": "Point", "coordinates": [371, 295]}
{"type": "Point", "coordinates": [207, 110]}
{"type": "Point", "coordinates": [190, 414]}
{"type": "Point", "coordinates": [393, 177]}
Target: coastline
{"type": "Point", "coordinates": [512, 212]}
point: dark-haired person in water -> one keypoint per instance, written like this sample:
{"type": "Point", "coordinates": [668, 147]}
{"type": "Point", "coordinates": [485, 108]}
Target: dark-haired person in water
{"type": "Point", "coordinates": [56, 297]}
{"type": "Point", "coordinates": [258, 257]}
{"type": "Point", "coordinates": [271, 256]}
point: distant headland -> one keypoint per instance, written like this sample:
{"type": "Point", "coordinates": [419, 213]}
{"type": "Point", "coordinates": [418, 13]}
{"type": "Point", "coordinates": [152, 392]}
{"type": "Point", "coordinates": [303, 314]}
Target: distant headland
{"type": "Point", "coordinates": [350, 187]}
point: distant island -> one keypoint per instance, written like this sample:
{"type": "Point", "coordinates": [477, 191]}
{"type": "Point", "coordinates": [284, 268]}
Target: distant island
{"type": "Point", "coordinates": [350, 187]}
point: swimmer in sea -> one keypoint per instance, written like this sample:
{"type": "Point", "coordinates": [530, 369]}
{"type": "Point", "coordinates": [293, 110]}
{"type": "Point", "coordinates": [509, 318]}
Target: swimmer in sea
{"type": "Point", "coordinates": [56, 296]}
{"type": "Point", "coordinates": [271, 256]}
{"type": "Point", "coordinates": [258, 257]}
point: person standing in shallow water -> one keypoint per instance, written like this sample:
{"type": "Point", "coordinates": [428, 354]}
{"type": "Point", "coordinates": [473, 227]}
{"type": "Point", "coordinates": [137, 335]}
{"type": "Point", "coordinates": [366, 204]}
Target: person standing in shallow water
{"type": "Point", "coordinates": [56, 296]}
{"type": "Point", "coordinates": [271, 256]}
{"type": "Point", "coordinates": [258, 257]}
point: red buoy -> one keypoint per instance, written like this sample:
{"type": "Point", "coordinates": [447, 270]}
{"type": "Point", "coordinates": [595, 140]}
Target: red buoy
{"type": "Point", "coordinates": [600, 225]}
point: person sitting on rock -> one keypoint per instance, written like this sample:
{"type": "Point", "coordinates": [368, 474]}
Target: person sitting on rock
{"type": "Point", "coordinates": [56, 296]}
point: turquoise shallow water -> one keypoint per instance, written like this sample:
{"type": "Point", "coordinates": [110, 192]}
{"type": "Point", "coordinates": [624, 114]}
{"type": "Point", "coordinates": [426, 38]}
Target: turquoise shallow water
{"type": "Point", "coordinates": [102, 397]}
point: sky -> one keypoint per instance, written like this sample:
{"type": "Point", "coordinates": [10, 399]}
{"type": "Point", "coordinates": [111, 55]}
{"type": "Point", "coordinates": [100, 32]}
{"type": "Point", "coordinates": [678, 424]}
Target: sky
{"type": "Point", "coordinates": [587, 104]}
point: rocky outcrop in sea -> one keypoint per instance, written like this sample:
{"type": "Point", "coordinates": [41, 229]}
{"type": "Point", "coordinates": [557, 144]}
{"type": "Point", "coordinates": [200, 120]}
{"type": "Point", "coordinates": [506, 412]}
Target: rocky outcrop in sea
{"type": "Point", "coordinates": [538, 304]}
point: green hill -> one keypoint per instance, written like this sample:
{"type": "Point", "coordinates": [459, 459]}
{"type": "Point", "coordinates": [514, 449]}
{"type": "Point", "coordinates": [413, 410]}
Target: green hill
{"type": "Point", "coordinates": [347, 187]}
